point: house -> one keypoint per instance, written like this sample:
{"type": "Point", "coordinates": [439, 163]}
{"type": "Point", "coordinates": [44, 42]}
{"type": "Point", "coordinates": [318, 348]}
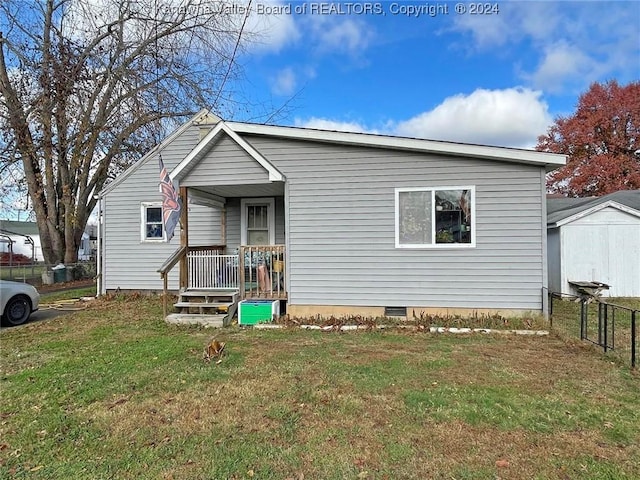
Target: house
{"type": "Point", "coordinates": [595, 239]}
{"type": "Point", "coordinates": [333, 223]}
{"type": "Point", "coordinates": [19, 237]}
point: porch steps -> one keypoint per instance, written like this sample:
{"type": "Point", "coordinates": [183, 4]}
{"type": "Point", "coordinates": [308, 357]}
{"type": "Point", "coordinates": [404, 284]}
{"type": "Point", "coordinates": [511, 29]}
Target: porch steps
{"type": "Point", "coordinates": [209, 308]}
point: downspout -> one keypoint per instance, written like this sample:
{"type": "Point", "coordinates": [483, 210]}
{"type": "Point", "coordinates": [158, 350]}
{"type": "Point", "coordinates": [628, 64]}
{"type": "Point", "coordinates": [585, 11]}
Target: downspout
{"type": "Point", "coordinates": [99, 281]}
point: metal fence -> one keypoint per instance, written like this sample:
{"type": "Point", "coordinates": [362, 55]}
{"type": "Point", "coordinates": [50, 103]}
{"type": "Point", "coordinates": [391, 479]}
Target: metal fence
{"type": "Point", "coordinates": [612, 327]}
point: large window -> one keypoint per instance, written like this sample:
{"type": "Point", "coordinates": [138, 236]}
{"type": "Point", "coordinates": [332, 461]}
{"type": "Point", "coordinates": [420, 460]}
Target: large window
{"type": "Point", "coordinates": [151, 228]}
{"type": "Point", "coordinates": [435, 217]}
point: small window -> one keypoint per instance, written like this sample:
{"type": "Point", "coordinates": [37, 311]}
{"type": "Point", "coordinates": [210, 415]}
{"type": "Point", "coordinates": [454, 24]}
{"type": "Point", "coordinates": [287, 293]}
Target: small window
{"type": "Point", "coordinates": [435, 217]}
{"type": "Point", "coordinates": [152, 228]}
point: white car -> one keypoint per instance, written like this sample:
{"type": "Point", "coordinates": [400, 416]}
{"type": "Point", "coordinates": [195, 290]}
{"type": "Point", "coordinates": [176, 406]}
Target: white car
{"type": "Point", "coordinates": [17, 302]}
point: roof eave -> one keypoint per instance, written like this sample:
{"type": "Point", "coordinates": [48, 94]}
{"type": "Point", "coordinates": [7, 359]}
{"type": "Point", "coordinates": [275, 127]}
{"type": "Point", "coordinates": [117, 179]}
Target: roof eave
{"type": "Point", "coordinates": [550, 161]}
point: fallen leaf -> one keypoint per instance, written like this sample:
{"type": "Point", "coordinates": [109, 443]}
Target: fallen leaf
{"type": "Point", "coordinates": [364, 474]}
{"type": "Point", "coordinates": [35, 469]}
{"type": "Point", "coordinates": [251, 473]}
{"type": "Point", "coordinates": [502, 463]}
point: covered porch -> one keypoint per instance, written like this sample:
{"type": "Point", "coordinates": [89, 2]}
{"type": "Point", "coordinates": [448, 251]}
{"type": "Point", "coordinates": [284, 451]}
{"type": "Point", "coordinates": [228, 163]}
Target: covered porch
{"type": "Point", "coordinates": [246, 257]}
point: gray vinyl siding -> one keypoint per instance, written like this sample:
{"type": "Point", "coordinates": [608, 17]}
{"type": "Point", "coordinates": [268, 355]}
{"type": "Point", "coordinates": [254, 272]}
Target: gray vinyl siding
{"type": "Point", "coordinates": [342, 251]}
{"type": "Point", "coordinates": [554, 259]}
{"type": "Point", "coordinates": [226, 164]}
{"type": "Point", "coordinates": [130, 263]}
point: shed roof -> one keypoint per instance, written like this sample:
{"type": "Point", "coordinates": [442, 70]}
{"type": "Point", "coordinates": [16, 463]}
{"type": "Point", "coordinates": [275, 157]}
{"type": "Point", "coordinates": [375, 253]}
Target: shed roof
{"type": "Point", "coordinates": [560, 209]}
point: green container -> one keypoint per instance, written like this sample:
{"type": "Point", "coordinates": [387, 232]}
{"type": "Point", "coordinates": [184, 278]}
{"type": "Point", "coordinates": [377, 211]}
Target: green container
{"type": "Point", "coordinates": [60, 275]}
{"type": "Point", "coordinates": [252, 312]}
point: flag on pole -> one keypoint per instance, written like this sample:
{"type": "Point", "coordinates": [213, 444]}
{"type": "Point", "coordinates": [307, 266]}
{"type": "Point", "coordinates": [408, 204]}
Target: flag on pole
{"type": "Point", "coordinates": [171, 203]}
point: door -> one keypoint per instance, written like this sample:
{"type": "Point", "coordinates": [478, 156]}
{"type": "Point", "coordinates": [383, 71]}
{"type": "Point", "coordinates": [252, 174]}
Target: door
{"type": "Point", "coordinates": [257, 221]}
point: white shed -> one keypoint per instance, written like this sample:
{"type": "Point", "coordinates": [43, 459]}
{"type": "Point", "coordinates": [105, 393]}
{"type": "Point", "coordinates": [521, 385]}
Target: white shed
{"type": "Point", "coordinates": [595, 240]}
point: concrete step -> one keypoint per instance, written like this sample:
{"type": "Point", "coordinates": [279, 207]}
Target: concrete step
{"type": "Point", "coordinates": [209, 321]}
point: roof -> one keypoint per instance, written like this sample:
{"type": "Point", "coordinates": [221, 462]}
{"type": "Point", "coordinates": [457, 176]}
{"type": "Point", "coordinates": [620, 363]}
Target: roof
{"type": "Point", "coordinates": [550, 161]}
{"type": "Point", "coordinates": [14, 227]}
{"type": "Point", "coordinates": [564, 210]}
{"type": "Point", "coordinates": [233, 129]}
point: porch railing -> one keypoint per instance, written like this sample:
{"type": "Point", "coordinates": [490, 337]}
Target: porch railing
{"type": "Point", "coordinates": [208, 269]}
{"type": "Point", "coordinates": [262, 271]}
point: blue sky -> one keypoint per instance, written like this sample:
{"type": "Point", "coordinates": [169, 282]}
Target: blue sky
{"type": "Point", "coordinates": [498, 78]}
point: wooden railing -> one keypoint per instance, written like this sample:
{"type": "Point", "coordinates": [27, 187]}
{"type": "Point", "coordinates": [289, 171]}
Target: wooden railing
{"type": "Point", "coordinates": [262, 272]}
{"type": "Point", "coordinates": [181, 256]}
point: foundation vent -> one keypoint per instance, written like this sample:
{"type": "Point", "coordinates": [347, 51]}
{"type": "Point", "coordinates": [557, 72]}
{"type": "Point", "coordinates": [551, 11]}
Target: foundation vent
{"type": "Point", "coordinates": [395, 311]}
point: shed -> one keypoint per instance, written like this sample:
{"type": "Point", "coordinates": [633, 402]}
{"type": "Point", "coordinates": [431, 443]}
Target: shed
{"type": "Point", "coordinates": [595, 239]}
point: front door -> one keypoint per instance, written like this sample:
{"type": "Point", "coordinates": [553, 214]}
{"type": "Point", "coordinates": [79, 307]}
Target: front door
{"type": "Point", "coordinates": [257, 221]}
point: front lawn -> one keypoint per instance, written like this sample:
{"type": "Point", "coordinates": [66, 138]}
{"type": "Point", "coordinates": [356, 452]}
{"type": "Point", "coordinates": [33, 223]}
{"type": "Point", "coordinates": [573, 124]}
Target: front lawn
{"type": "Point", "coordinates": [114, 392]}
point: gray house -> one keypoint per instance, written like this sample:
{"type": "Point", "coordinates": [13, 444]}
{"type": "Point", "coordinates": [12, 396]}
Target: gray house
{"type": "Point", "coordinates": [332, 222]}
{"type": "Point", "coordinates": [595, 239]}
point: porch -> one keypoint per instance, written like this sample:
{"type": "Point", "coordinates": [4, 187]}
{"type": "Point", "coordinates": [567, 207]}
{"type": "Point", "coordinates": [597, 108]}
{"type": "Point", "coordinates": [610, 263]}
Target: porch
{"type": "Point", "coordinates": [212, 281]}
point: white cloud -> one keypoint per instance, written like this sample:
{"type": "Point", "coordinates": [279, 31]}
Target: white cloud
{"type": "Point", "coordinates": [332, 34]}
{"type": "Point", "coordinates": [350, 36]}
{"type": "Point", "coordinates": [513, 117]}
{"type": "Point", "coordinates": [285, 82]}
{"type": "Point", "coordinates": [271, 32]}
{"type": "Point", "coordinates": [561, 64]}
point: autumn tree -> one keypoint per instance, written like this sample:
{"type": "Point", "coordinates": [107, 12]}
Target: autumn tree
{"type": "Point", "coordinates": [86, 86]}
{"type": "Point", "coordinates": [601, 140]}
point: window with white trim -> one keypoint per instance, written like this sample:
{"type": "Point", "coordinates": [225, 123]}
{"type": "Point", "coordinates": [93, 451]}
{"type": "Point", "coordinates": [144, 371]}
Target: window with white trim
{"type": "Point", "coordinates": [435, 217]}
{"type": "Point", "coordinates": [151, 227]}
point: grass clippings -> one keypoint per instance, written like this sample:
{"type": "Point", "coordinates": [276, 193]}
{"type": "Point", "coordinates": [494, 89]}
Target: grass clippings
{"type": "Point", "coordinates": [115, 392]}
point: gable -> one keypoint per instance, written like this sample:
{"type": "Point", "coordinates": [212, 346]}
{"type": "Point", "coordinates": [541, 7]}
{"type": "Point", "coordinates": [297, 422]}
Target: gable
{"type": "Point", "coordinates": [608, 216]}
{"type": "Point", "coordinates": [225, 163]}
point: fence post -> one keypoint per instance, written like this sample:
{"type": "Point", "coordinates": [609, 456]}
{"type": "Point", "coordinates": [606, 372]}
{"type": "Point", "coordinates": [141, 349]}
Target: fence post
{"type": "Point", "coordinates": [606, 325]}
{"type": "Point", "coordinates": [633, 339]}
{"type": "Point", "coordinates": [583, 316]}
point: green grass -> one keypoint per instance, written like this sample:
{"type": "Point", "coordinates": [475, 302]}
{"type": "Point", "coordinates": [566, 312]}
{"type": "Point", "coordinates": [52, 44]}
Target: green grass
{"type": "Point", "coordinates": [566, 322]}
{"type": "Point", "coordinates": [114, 392]}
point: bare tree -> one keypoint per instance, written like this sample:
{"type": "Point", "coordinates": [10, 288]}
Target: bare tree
{"type": "Point", "coordinates": [88, 85]}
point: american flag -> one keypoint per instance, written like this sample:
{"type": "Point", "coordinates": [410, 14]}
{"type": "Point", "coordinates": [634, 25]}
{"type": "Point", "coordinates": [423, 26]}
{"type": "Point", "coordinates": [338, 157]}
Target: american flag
{"type": "Point", "coordinates": [171, 203]}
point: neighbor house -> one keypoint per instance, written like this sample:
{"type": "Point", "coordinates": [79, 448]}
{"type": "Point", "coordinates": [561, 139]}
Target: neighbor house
{"type": "Point", "coordinates": [595, 239]}
{"type": "Point", "coordinates": [333, 222]}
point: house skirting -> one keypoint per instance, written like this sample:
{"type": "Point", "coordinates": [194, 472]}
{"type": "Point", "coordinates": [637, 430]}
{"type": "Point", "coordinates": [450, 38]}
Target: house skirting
{"type": "Point", "coordinates": [348, 310]}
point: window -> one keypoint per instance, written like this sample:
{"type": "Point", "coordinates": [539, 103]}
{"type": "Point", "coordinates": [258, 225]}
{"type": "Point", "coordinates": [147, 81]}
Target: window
{"type": "Point", "coordinates": [435, 217]}
{"type": "Point", "coordinates": [257, 221]}
{"type": "Point", "coordinates": [152, 229]}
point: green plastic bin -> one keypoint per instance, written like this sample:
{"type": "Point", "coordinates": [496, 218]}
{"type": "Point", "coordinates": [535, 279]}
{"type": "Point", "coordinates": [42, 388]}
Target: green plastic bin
{"type": "Point", "coordinates": [252, 312]}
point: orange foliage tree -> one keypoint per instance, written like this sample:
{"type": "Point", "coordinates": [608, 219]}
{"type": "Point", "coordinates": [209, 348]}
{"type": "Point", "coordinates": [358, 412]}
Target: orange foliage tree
{"type": "Point", "coordinates": [601, 140]}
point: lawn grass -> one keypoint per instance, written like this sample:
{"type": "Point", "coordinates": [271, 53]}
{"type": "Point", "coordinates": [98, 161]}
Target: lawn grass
{"type": "Point", "coordinates": [566, 322]}
{"type": "Point", "coordinates": [114, 392]}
